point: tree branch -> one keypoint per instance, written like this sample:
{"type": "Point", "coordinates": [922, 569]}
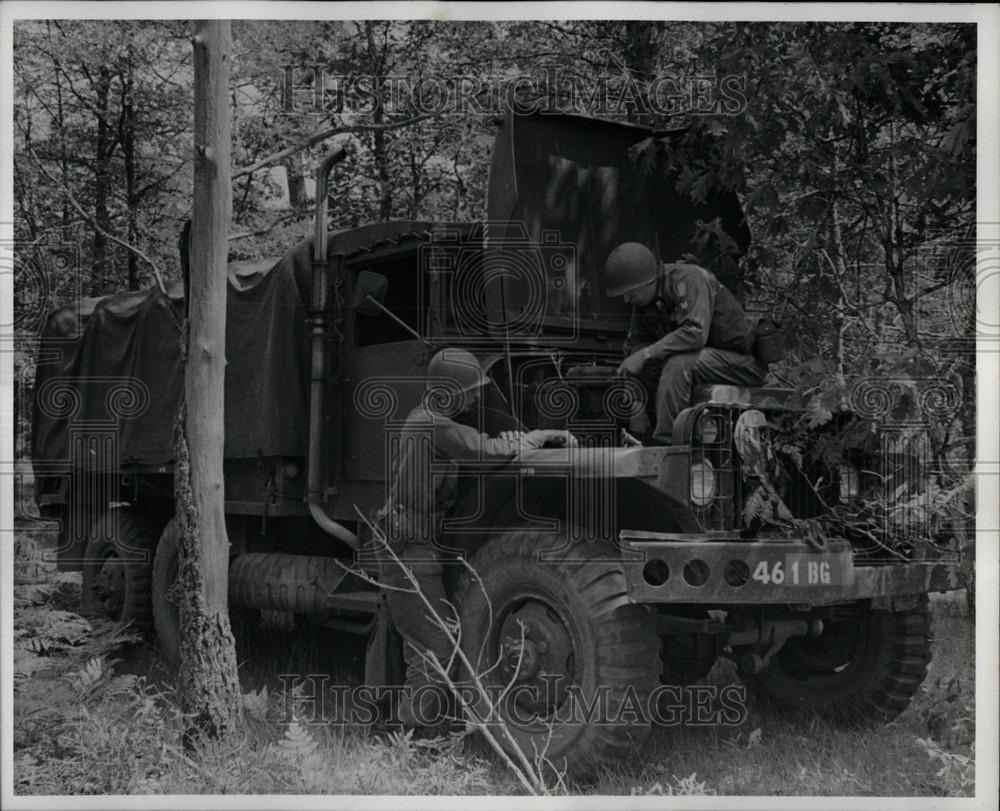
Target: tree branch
{"type": "Point", "coordinates": [843, 292]}
{"type": "Point", "coordinates": [80, 210]}
{"type": "Point", "coordinates": [295, 215]}
{"type": "Point", "coordinates": [323, 135]}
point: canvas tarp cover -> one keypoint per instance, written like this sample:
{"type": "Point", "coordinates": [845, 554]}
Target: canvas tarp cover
{"type": "Point", "coordinates": [113, 366]}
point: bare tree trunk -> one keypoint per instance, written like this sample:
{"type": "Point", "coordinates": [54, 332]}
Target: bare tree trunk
{"type": "Point", "coordinates": [296, 181]}
{"type": "Point", "coordinates": [839, 262]}
{"type": "Point", "coordinates": [459, 195]}
{"type": "Point", "coordinates": [102, 184]}
{"type": "Point", "coordinates": [895, 257]}
{"type": "Point", "coordinates": [128, 119]}
{"type": "Point", "coordinates": [415, 182]}
{"type": "Point", "coordinates": [209, 684]}
{"type": "Point", "coordinates": [63, 155]}
{"type": "Point", "coordinates": [641, 45]}
{"type": "Point", "coordinates": [380, 144]}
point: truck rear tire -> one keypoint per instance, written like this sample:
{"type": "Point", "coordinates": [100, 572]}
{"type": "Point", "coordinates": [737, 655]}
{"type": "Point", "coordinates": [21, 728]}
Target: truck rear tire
{"type": "Point", "coordinates": [864, 668]}
{"type": "Point", "coordinates": [165, 612]}
{"type": "Point", "coordinates": [118, 567]}
{"type": "Point", "coordinates": [579, 627]}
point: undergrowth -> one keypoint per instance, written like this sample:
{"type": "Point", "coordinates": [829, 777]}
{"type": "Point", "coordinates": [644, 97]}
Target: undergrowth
{"type": "Point", "coordinates": [86, 723]}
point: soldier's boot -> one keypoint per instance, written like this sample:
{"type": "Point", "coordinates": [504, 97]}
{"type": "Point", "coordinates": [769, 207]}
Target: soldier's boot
{"type": "Point", "coordinates": [427, 705]}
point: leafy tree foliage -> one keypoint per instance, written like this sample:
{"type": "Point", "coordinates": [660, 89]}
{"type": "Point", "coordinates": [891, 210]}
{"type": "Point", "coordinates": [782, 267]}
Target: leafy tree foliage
{"type": "Point", "coordinates": [852, 146]}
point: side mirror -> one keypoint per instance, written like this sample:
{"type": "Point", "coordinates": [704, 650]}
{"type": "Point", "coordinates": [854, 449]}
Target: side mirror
{"type": "Point", "coordinates": [369, 288]}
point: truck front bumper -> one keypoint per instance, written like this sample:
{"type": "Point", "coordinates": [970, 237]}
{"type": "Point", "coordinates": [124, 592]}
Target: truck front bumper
{"type": "Point", "coordinates": [719, 570]}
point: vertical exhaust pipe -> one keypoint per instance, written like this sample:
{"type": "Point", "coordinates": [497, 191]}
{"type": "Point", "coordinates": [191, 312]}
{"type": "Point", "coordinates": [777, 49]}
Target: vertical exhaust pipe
{"type": "Point", "coordinates": [317, 380]}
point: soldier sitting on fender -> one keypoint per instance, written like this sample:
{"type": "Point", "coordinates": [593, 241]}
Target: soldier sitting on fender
{"type": "Point", "coordinates": [423, 489]}
{"type": "Point", "coordinates": [687, 329]}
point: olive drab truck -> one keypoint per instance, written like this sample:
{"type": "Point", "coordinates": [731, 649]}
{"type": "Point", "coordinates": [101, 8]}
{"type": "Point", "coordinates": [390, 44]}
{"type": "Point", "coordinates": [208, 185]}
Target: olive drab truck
{"type": "Point", "coordinates": [604, 570]}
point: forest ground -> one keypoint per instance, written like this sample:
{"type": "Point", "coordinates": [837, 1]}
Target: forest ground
{"type": "Point", "coordinates": [94, 714]}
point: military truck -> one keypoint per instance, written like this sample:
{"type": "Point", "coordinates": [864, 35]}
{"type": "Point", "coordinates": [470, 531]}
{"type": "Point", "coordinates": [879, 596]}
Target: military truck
{"type": "Point", "coordinates": [597, 572]}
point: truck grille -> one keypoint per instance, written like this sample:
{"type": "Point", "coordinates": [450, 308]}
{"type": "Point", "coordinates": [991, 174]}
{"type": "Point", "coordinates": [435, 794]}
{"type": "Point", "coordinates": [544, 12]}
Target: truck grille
{"type": "Point", "coordinates": [720, 513]}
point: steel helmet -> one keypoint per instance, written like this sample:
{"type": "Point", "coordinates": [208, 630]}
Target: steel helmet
{"type": "Point", "coordinates": [629, 266]}
{"type": "Point", "coordinates": [456, 368]}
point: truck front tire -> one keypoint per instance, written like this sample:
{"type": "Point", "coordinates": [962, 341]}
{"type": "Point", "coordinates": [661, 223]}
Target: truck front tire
{"type": "Point", "coordinates": [563, 611]}
{"type": "Point", "coordinates": [863, 668]}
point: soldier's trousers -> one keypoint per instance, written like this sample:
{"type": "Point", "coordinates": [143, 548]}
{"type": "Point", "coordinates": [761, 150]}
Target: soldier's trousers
{"type": "Point", "coordinates": [409, 537]}
{"type": "Point", "coordinates": [674, 380]}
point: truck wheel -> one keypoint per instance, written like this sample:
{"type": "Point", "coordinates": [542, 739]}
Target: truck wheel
{"type": "Point", "coordinates": [165, 612]}
{"type": "Point", "coordinates": [863, 668]}
{"type": "Point", "coordinates": [580, 633]}
{"type": "Point", "coordinates": [118, 565]}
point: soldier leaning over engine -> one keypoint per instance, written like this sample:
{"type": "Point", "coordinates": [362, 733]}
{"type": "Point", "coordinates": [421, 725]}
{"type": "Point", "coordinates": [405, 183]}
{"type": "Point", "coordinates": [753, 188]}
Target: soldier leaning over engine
{"type": "Point", "coordinates": [423, 489]}
{"type": "Point", "coordinates": [687, 329]}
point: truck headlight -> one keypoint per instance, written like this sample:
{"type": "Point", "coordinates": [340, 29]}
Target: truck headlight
{"type": "Point", "coordinates": [707, 430]}
{"type": "Point", "coordinates": [703, 484]}
{"type": "Point", "coordinates": [850, 482]}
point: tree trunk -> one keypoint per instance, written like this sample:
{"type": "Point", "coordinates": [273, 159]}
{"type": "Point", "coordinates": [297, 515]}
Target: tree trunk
{"type": "Point", "coordinates": [209, 684]}
{"type": "Point", "coordinates": [895, 256]}
{"type": "Point", "coordinates": [840, 269]}
{"type": "Point", "coordinates": [415, 182]}
{"type": "Point", "coordinates": [102, 184]}
{"type": "Point", "coordinates": [297, 197]}
{"type": "Point", "coordinates": [128, 119]}
{"type": "Point", "coordinates": [380, 143]}
{"type": "Point", "coordinates": [381, 154]}
{"type": "Point", "coordinates": [60, 126]}
{"type": "Point", "coordinates": [641, 46]}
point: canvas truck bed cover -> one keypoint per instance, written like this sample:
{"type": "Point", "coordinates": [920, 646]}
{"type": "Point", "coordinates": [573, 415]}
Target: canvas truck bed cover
{"type": "Point", "coordinates": [112, 366]}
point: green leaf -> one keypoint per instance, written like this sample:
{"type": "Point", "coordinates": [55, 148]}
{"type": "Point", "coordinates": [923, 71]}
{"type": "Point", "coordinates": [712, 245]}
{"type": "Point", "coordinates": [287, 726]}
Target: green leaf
{"type": "Point", "coordinates": [755, 505]}
{"type": "Point", "coordinates": [817, 414]}
{"type": "Point", "coordinates": [716, 127]}
{"type": "Point", "coordinates": [297, 741]}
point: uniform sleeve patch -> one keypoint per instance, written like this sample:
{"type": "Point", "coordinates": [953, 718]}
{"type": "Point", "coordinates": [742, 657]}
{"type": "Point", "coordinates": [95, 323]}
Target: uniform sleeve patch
{"type": "Point", "coordinates": [682, 301]}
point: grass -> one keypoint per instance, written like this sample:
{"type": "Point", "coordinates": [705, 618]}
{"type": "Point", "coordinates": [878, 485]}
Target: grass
{"type": "Point", "coordinates": [86, 722]}
{"type": "Point", "coordinates": [797, 755]}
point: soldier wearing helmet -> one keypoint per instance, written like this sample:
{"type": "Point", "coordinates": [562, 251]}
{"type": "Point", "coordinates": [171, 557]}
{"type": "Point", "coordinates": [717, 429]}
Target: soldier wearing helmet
{"type": "Point", "coordinates": [423, 488]}
{"type": "Point", "coordinates": [687, 329]}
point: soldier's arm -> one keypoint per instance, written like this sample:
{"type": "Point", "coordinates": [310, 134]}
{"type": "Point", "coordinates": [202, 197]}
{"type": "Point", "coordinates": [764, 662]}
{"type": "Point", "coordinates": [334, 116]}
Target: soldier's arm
{"type": "Point", "coordinates": [637, 335]}
{"type": "Point", "coordinates": [697, 305]}
{"type": "Point", "coordinates": [463, 443]}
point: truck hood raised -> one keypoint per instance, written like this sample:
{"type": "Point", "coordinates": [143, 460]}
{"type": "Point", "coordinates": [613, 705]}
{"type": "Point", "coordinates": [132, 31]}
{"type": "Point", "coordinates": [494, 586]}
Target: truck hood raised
{"type": "Point", "coordinates": [574, 186]}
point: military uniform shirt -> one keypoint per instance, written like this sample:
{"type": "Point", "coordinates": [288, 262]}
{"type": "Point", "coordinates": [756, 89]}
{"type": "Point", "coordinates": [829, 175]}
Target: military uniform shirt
{"type": "Point", "coordinates": [426, 457]}
{"type": "Point", "coordinates": [692, 309]}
